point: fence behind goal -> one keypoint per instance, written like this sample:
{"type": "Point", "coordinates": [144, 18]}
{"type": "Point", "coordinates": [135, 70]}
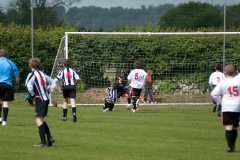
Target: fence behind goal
{"type": "Point", "coordinates": [181, 62]}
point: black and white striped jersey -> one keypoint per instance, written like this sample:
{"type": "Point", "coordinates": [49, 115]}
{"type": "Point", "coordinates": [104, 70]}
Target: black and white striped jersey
{"type": "Point", "coordinates": [111, 94]}
{"type": "Point", "coordinates": [37, 83]}
{"type": "Point", "coordinates": [68, 76]}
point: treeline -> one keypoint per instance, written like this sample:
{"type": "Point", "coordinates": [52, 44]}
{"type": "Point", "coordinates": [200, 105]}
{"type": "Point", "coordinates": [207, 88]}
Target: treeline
{"type": "Point", "coordinates": [191, 15]}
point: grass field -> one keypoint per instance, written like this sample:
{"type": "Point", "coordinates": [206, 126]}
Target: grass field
{"type": "Point", "coordinates": [153, 133]}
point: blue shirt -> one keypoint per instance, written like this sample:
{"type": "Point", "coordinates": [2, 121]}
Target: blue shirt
{"type": "Point", "coordinates": [8, 69]}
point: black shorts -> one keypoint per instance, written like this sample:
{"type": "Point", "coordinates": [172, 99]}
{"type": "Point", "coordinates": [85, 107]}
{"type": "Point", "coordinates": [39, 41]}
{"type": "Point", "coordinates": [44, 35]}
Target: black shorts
{"type": "Point", "coordinates": [69, 92]}
{"type": "Point", "coordinates": [230, 118]}
{"type": "Point", "coordinates": [41, 107]}
{"type": "Point", "coordinates": [6, 92]}
{"type": "Point", "coordinates": [136, 92]}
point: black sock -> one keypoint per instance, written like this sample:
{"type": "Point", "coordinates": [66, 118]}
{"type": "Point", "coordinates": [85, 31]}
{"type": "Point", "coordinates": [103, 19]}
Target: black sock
{"type": "Point", "coordinates": [42, 133]}
{"type": "Point", "coordinates": [65, 112]}
{"type": "Point", "coordinates": [219, 108]}
{"type": "Point", "coordinates": [74, 110]}
{"type": "Point", "coordinates": [234, 134]}
{"type": "Point", "coordinates": [0, 110]}
{"type": "Point", "coordinates": [129, 100]}
{"type": "Point", "coordinates": [134, 105]}
{"type": "Point", "coordinates": [229, 138]}
{"type": "Point", "coordinates": [47, 130]}
{"type": "Point", "coordinates": [5, 113]}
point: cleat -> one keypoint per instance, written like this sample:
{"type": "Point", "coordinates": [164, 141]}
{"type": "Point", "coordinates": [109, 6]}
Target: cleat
{"type": "Point", "coordinates": [26, 97]}
{"type": "Point", "coordinates": [74, 117]}
{"type": "Point", "coordinates": [106, 109]}
{"type": "Point", "coordinates": [50, 141]}
{"type": "Point", "coordinates": [219, 114]}
{"type": "Point", "coordinates": [230, 150]}
{"type": "Point", "coordinates": [64, 118]}
{"type": "Point", "coordinates": [133, 110]}
{"type": "Point", "coordinates": [40, 145]}
{"type": "Point", "coordinates": [137, 109]}
{"type": "Point", "coordinates": [4, 123]}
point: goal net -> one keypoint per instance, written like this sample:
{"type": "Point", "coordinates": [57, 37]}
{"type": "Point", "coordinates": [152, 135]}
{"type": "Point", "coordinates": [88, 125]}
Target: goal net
{"type": "Point", "coordinates": [181, 62]}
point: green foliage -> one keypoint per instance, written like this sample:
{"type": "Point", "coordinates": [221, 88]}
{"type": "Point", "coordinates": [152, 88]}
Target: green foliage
{"type": "Point", "coordinates": [192, 15]}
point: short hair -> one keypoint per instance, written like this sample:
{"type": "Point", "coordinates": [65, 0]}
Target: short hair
{"type": "Point", "coordinates": [34, 63]}
{"type": "Point", "coordinates": [218, 66]}
{"type": "Point", "coordinates": [3, 53]}
{"type": "Point", "coordinates": [137, 65]}
{"type": "Point", "coordinates": [66, 63]}
{"type": "Point", "coordinates": [229, 70]}
{"type": "Point", "coordinates": [114, 84]}
{"type": "Point", "coordinates": [121, 76]}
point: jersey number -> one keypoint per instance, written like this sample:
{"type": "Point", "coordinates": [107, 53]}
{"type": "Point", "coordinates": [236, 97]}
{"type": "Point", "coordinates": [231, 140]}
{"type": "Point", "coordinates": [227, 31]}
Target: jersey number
{"type": "Point", "coordinates": [69, 76]}
{"type": "Point", "coordinates": [233, 91]}
{"type": "Point", "coordinates": [136, 76]}
{"type": "Point", "coordinates": [218, 79]}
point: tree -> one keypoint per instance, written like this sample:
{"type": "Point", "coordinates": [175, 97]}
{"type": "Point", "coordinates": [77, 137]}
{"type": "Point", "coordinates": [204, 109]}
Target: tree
{"type": "Point", "coordinates": [192, 15]}
{"type": "Point", "coordinates": [44, 11]}
{"type": "Point", "coordinates": [233, 15]}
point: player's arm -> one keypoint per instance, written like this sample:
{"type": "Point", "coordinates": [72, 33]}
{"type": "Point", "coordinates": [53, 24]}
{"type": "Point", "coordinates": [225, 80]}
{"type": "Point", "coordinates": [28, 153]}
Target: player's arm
{"type": "Point", "coordinates": [216, 94]}
{"type": "Point", "coordinates": [51, 82]}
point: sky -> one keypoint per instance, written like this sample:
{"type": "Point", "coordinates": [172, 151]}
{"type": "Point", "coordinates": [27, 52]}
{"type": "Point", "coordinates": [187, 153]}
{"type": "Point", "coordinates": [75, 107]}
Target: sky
{"type": "Point", "coordinates": [137, 3]}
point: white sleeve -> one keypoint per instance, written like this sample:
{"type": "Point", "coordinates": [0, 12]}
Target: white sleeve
{"type": "Point", "coordinates": [51, 82]}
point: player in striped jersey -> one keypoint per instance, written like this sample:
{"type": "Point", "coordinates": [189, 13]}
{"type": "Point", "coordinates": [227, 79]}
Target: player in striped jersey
{"type": "Point", "coordinates": [39, 85]}
{"type": "Point", "coordinates": [111, 97]}
{"type": "Point", "coordinates": [229, 88]}
{"type": "Point", "coordinates": [137, 77]}
{"type": "Point", "coordinates": [70, 79]}
{"type": "Point", "coordinates": [214, 79]}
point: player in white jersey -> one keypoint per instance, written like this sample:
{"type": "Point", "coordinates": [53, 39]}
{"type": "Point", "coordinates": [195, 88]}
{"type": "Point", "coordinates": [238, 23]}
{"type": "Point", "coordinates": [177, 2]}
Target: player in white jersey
{"type": "Point", "coordinates": [137, 77]}
{"type": "Point", "coordinates": [229, 88]}
{"type": "Point", "coordinates": [214, 79]}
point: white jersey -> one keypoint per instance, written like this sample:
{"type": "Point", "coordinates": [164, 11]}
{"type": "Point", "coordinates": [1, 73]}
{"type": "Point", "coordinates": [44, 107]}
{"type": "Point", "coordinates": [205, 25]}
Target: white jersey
{"type": "Point", "coordinates": [137, 78]}
{"type": "Point", "coordinates": [229, 88]}
{"type": "Point", "coordinates": [216, 78]}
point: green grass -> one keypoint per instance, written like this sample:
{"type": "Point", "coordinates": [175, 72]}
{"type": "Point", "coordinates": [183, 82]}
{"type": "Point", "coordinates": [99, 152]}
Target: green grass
{"type": "Point", "coordinates": [153, 133]}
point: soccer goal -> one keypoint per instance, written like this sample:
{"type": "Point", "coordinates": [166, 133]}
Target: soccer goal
{"type": "Point", "coordinates": [181, 62]}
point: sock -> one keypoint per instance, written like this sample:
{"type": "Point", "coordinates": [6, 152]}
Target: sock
{"type": "Point", "coordinates": [74, 110]}
{"type": "Point", "coordinates": [47, 130]}
{"type": "Point", "coordinates": [5, 113]}
{"type": "Point", "coordinates": [229, 138]}
{"type": "Point", "coordinates": [129, 100]}
{"type": "Point", "coordinates": [234, 135]}
{"type": "Point", "coordinates": [65, 112]}
{"type": "Point", "coordinates": [0, 110]}
{"type": "Point", "coordinates": [42, 133]}
{"type": "Point", "coordinates": [219, 108]}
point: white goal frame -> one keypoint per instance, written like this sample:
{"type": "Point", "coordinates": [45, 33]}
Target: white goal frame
{"type": "Point", "coordinates": [67, 34]}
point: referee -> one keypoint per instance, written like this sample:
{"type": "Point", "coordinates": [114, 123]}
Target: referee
{"type": "Point", "coordinates": [8, 70]}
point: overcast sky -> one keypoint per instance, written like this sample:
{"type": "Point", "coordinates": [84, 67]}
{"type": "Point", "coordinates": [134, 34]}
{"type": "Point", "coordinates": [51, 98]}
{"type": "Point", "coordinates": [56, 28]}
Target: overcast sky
{"type": "Point", "coordinates": [138, 3]}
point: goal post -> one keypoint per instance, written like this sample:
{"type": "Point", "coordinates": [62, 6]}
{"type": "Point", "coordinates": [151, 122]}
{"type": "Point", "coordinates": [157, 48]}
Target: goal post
{"type": "Point", "coordinates": [179, 61]}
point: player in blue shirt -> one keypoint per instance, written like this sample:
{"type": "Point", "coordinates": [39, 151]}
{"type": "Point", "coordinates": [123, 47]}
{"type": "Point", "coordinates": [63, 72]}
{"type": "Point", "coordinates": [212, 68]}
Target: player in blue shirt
{"type": "Point", "coordinates": [8, 70]}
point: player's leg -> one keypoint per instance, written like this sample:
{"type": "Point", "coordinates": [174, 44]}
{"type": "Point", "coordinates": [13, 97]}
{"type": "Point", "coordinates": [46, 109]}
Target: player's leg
{"type": "Point", "coordinates": [40, 110]}
{"type": "Point", "coordinates": [228, 122]}
{"type": "Point", "coordinates": [74, 109]}
{"type": "Point", "coordinates": [219, 110]}
{"type": "Point", "coordinates": [0, 111]}
{"type": "Point", "coordinates": [65, 109]}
